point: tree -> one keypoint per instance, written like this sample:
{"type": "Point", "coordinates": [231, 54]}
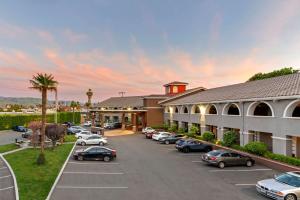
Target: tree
{"type": "Point", "coordinates": [55, 132]}
{"type": "Point", "coordinates": [275, 73]}
{"type": "Point", "coordinates": [43, 83]}
{"type": "Point", "coordinates": [74, 105]}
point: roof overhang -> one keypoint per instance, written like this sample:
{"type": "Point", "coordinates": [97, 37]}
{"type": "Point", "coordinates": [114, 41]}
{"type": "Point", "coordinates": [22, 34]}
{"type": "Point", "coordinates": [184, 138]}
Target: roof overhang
{"type": "Point", "coordinates": [118, 111]}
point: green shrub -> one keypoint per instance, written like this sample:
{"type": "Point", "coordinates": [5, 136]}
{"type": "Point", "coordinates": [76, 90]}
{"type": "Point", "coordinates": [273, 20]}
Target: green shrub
{"type": "Point", "coordinates": [173, 128]}
{"type": "Point", "coordinates": [238, 147]}
{"type": "Point", "coordinates": [162, 127]}
{"type": "Point", "coordinates": [208, 136]}
{"type": "Point", "coordinates": [229, 138]}
{"type": "Point", "coordinates": [181, 130]}
{"type": "Point", "coordinates": [258, 148]}
{"type": "Point", "coordinates": [198, 137]}
{"type": "Point", "coordinates": [8, 121]}
{"type": "Point", "coordinates": [194, 130]}
{"type": "Point", "coordinates": [282, 158]}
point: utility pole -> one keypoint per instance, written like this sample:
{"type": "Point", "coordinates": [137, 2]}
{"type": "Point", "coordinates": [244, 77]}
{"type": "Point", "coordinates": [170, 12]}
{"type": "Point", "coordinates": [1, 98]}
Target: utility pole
{"type": "Point", "coordinates": [122, 94]}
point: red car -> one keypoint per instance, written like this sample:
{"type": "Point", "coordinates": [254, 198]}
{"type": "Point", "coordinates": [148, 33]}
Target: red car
{"type": "Point", "coordinates": [149, 135]}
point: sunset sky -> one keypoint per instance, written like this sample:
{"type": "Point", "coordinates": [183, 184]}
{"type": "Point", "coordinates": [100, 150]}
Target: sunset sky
{"type": "Point", "coordinates": [136, 46]}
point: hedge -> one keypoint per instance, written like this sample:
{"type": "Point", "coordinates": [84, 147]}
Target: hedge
{"type": "Point", "coordinates": [8, 121]}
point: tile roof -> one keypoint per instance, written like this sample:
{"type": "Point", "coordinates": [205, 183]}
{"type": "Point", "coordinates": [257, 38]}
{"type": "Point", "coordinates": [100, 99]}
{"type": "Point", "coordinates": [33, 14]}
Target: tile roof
{"type": "Point", "coordinates": [130, 101]}
{"type": "Point", "coordinates": [282, 86]}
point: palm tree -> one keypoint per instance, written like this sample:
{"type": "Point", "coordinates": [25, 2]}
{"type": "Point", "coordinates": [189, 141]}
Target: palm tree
{"type": "Point", "coordinates": [43, 83]}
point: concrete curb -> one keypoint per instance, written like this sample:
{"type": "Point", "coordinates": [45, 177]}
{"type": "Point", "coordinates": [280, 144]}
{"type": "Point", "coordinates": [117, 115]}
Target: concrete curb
{"type": "Point", "coordinates": [13, 151]}
{"type": "Point", "coordinates": [60, 173]}
{"type": "Point", "coordinates": [13, 175]}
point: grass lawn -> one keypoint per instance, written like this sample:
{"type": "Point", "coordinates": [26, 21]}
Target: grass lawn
{"type": "Point", "coordinates": [70, 138]}
{"type": "Point", "coordinates": [8, 147]}
{"type": "Point", "coordinates": [35, 181]}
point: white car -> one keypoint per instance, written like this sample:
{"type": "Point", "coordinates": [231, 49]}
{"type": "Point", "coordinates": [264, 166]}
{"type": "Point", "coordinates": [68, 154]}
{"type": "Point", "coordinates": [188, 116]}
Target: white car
{"type": "Point", "coordinates": [92, 140]}
{"type": "Point", "coordinates": [160, 135]}
{"type": "Point", "coordinates": [77, 128]}
{"type": "Point", "coordinates": [148, 130]}
{"type": "Point", "coordinates": [84, 134]}
{"type": "Point", "coordinates": [87, 123]}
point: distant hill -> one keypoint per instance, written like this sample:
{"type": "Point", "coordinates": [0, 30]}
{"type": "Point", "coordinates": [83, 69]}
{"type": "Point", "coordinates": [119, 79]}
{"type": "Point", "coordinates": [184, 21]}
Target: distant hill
{"type": "Point", "coordinates": [26, 101]}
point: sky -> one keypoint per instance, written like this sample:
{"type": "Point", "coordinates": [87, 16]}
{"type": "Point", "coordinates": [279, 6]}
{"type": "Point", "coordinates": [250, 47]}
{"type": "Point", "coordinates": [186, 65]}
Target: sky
{"type": "Point", "coordinates": [136, 46]}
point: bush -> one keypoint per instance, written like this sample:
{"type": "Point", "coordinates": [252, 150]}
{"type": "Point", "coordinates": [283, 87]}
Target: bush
{"type": "Point", "coordinates": [258, 148]}
{"type": "Point", "coordinates": [229, 138]}
{"type": "Point", "coordinates": [173, 128]}
{"type": "Point", "coordinates": [41, 159]}
{"type": "Point", "coordinates": [194, 130]}
{"type": "Point", "coordinates": [162, 127]}
{"type": "Point", "coordinates": [198, 137]}
{"type": "Point", "coordinates": [208, 136]}
{"type": "Point", "coordinates": [238, 147]}
{"type": "Point", "coordinates": [282, 158]}
{"type": "Point", "coordinates": [181, 130]}
{"type": "Point", "coordinates": [8, 121]}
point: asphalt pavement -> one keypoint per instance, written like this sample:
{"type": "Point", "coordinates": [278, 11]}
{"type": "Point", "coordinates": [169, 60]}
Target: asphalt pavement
{"type": "Point", "coordinates": [9, 136]}
{"type": "Point", "coordinates": [145, 170]}
{"type": "Point", "coordinates": [7, 190]}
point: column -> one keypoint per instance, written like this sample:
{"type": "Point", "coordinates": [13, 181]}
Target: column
{"type": "Point", "coordinates": [189, 126]}
{"type": "Point", "coordinates": [134, 122]}
{"type": "Point", "coordinates": [123, 121]}
{"type": "Point", "coordinates": [101, 119]}
{"type": "Point", "coordinates": [282, 145]}
{"type": "Point", "coordinates": [220, 133]}
{"type": "Point", "coordinates": [202, 124]}
{"type": "Point", "coordinates": [245, 137]}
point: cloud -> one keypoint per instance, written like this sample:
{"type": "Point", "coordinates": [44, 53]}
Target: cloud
{"type": "Point", "coordinates": [74, 37]}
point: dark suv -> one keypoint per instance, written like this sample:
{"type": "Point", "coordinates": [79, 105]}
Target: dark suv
{"type": "Point", "coordinates": [189, 145]}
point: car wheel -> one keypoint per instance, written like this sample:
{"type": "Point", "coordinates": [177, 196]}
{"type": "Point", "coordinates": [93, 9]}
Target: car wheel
{"type": "Point", "coordinates": [290, 197]}
{"type": "Point", "coordinates": [186, 150]}
{"type": "Point", "coordinates": [79, 137]}
{"type": "Point", "coordinates": [80, 158]}
{"type": "Point", "coordinates": [249, 163]}
{"type": "Point", "coordinates": [106, 158]}
{"type": "Point", "coordinates": [101, 143]}
{"type": "Point", "coordinates": [83, 143]}
{"type": "Point", "coordinates": [167, 142]}
{"type": "Point", "coordinates": [221, 165]}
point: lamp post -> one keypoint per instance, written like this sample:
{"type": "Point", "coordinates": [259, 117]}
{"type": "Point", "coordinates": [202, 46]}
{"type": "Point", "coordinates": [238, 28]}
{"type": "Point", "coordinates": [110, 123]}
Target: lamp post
{"type": "Point", "coordinates": [56, 105]}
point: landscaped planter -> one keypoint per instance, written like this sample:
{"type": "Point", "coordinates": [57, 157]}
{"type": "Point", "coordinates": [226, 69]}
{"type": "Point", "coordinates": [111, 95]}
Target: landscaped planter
{"type": "Point", "coordinates": [261, 160]}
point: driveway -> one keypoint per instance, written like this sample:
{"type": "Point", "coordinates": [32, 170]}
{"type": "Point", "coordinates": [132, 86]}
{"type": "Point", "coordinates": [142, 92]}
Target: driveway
{"type": "Point", "coordinates": [9, 136]}
{"type": "Point", "coordinates": [7, 190]}
{"type": "Point", "coordinates": [150, 171]}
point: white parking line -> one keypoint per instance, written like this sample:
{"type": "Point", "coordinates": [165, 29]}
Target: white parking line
{"type": "Point", "coordinates": [78, 187]}
{"type": "Point", "coordinates": [3, 168]}
{"type": "Point", "coordinates": [197, 161]}
{"type": "Point", "coordinates": [6, 188]}
{"type": "Point", "coordinates": [96, 173]}
{"type": "Point", "coordinates": [191, 154]}
{"type": "Point", "coordinates": [239, 170]}
{"type": "Point", "coordinates": [89, 163]}
{"type": "Point", "coordinates": [1, 177]}
{"type": "Point", "coordinates": [245, 184]}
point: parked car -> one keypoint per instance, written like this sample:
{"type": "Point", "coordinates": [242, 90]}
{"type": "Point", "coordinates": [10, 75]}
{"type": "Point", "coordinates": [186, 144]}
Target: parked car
{"type": "Point", "coordinates": [95, 153]}
{"type": "Point", "coordinates": [108, 125]}
{"type": "Point", "coordinates": [78, 128]}
{"type": "Point", "coordinates": [92, 140]}
{"type": "Point", "coordinates": [84, 134]}
{"type": "Point", "coordinates": [68, 124]}
{"type": "Point", "coordinates": [285, 186]}
{"type": "Point", "coordinates": [19, 128]}
{"type": "Point", "coordinates": [72, 131]}
{"type": "Point", "coordinates": [87, 123]}
{"type": "Point", "coordinates": [150, 134]}
{"type": "Point", "coordinates": [222, 158]}
{"type": "Point", "coordinates": [159, 135]}
{"type": "Point", "coordinates": [189, 145]}
{"type": "Point", "coordinates": [27, 134]}
{"type": "Point", "coordinates": [148, 130]}
{"type": "Point", "coordinates": [172, 139]}
{"type": "Point", "coordinates": [117, 125]}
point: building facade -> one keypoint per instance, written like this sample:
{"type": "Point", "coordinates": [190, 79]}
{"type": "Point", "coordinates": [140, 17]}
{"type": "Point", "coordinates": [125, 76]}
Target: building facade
{"type": "Point", "coordinates": [266, 110]}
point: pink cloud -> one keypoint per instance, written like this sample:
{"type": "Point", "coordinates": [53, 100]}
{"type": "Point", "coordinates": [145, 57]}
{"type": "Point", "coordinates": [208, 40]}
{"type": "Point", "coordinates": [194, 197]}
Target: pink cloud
{"type": "Point", "coordinates": [73, 36]}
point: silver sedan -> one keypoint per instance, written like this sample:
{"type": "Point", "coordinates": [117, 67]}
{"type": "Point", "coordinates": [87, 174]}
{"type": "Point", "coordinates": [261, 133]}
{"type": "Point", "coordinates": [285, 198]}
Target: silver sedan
{"type": "Point", "coordinates": [285, 186]}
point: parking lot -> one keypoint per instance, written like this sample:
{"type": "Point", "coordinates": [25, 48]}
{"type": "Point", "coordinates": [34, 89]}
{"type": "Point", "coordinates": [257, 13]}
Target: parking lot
{"type": "Point", "coordinates": [147, 170]}
{"type": "Point", "coordinates": [9, 136]}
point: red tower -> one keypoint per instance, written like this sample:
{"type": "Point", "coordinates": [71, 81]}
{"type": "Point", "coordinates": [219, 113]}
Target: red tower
{"type": "Point", "coordinates": [175, 87]}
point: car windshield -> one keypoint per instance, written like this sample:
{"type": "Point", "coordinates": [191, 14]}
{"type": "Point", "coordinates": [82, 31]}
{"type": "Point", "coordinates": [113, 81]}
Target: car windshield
{"type": "Point", "coordinates": [288, 179]}
{"type": "Point", "coordinates": [214, 153]}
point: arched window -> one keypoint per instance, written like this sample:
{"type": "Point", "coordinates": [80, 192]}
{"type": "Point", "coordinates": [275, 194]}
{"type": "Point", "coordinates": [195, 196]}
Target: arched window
{"type": "Point", "coordinates": [262, 109]}
{"type": "Point", "coordinates": [233, 110]}
{"type": "Point", "coordinates": [296, 111]}
{"type": "Point", "coordinates": [176, 110]}
{"type": "Point", "coordinates": [185, 110]}
{"type": "Point", "coordinates": [212, 110]}
{"type": "Point", "coordinates": [135, 108]}
{"type": "Point", "coordinates": [167, 109]}
{"type": "Point", "coordinates": [115, 108]}
{"type": "Point", "coordinates": [197, 109]}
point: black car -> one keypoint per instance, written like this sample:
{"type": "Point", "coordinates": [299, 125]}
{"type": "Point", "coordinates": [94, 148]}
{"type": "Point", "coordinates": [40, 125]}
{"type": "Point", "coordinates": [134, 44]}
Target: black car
{"type": "Point", "coordinates": [189, 145]}
{"type": "Point", "coordinates": [95, 153]}
{"type": "Point", "coordinates": [19, 128]}
{"type": "Point", "coordinates": [171, 139]}
{"type": "Point", "coordinates": [117, 125]}
{"type": "Point", "coordinates": [68, 124]}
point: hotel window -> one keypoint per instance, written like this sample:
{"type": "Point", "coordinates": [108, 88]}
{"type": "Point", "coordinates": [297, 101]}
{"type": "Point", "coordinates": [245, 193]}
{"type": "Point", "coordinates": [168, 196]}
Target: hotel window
{"type": "Point", "coordinates": [175, 89]}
